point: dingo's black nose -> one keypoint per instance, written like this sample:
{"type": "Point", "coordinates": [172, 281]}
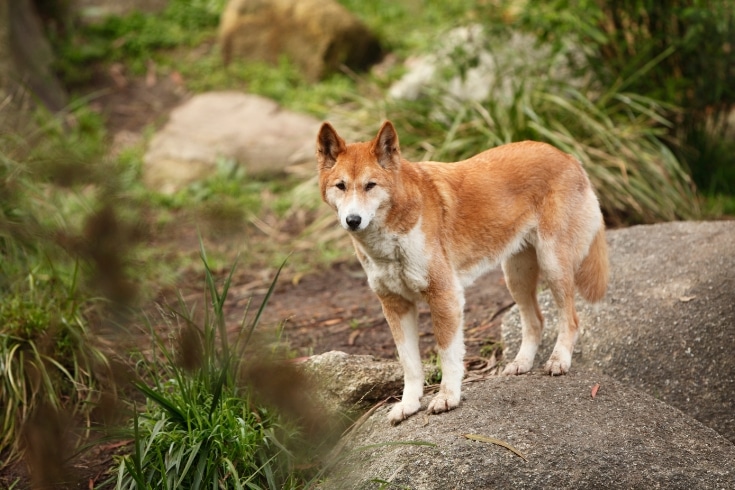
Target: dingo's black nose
{"type": "Point", "coordinates": [353, 221]}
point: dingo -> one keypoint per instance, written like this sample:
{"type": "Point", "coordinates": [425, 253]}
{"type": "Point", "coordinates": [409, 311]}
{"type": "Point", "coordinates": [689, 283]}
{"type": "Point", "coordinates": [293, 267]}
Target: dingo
{"type": "Point", "coordinates": [425, 231]}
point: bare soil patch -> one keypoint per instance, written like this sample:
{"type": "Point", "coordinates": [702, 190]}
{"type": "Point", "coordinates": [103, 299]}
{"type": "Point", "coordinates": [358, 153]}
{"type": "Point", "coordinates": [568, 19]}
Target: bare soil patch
{"type": "Point", "coordinates": [335, 309]}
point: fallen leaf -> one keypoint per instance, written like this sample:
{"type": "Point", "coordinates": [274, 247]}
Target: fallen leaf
{"type": "Point", "coordinates": [330, 322]}
{"type": "Point", "coordinates": [297, 278]}
{"type": "Point", "coordinates": [595, 388]}
{"type": "Point", "coordinates": [492, 440]}
{"type": "Point", "coordinates": [353, 337]}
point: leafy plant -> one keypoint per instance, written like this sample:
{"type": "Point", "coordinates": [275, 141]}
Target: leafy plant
{"type": "Point", "coordinates": [202, 425]}
{"type": "Point", "coordinates": [679, 52]}
{"type": "Point", "coordinates": [529, 94]}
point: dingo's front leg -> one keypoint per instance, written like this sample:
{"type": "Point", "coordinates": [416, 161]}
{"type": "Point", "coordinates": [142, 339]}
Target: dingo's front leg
{"type": "Point", "coordinates": [447, 316]}
{"type": "Point", "coordinates": [402, 316]}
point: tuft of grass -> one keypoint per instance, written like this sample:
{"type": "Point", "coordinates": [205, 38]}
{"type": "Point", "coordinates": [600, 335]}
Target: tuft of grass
{"type": "Point", "coordinates": [136, 38]}
{"type": "Point", "coordinates": [204, 424]}
{"type": "Point", "coordinates": [531, 95]}
{"type": "Point", "coordinates": [48, 360]}
{"type": "Point", "coordinates": [672, 45]}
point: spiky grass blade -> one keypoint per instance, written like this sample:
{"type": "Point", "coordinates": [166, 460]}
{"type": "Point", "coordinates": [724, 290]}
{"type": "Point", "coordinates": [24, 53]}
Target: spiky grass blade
{"type": "Point", "coordinates": [200, 427]}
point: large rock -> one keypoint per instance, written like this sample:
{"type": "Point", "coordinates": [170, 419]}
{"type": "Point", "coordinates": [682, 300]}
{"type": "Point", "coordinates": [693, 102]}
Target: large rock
{"type": "Point", "coordinates": [252, 130]}
{"type": "Point", "coordinates": [318, 35]}
{"type": "Point", "coordinates": [621, 438]}
{"type": "Point", "coordinates": [348, 383]}
{"type": "Point", "coordinates": [666, 327]}
{"type": "Point", "coordinates": [667, 324]}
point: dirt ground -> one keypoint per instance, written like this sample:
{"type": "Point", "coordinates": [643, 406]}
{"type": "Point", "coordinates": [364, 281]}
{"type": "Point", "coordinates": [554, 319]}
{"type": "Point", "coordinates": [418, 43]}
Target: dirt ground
{"type": "Point", "coordinates": [336, 310]}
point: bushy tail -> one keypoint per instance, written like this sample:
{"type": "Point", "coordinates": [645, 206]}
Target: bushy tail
{"type": "Point", "coordinates": [592, 275]}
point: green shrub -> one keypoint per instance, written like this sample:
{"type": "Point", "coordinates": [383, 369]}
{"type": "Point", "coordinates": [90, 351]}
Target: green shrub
{"type": "Point", "coordinates": [203, 425]}
{"type": "Point", "coordinates": [681, 52]}
{"type": "Point", "coordinates": [532, 93]}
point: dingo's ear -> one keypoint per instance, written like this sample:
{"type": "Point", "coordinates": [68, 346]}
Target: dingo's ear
{"type": "Point", "coordinates": [385, 146]}
{"type": "Point", "coordinates": [328, 146]}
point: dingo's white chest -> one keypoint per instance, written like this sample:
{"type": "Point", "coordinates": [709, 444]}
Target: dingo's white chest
{"type": "Point", "coordinates": [395, 263]}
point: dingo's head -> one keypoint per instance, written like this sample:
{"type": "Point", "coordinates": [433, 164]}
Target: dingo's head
{"type": "Point", "coordinates": [355, 180]}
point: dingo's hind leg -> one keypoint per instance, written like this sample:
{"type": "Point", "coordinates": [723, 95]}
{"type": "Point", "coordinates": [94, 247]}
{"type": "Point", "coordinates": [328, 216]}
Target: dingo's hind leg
{"type": "Point", "coordinates": [521, 276]}
{"type": "Point", "coordinates": [558, 270]}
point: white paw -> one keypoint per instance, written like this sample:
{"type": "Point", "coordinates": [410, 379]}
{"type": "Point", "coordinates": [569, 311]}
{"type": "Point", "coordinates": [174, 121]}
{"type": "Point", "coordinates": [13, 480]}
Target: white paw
{"type": "Point", "coordinates": [518, 366]}
{"type": "Point", "coordinates": [402, 410]}
{"type": "Point", "coordinates": [443, 402]}
{"type": "Point", "coordinates": [558, 364]}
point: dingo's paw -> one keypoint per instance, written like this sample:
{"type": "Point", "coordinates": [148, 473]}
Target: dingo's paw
{"type": "Point", "coordinates": [558, 364]}
{"type": "Point", "coordinates": [443, 402]}
{"type": "Point", "coordinates": [402, 410]}
{"type": "Point", "coordinates": [518, 366]}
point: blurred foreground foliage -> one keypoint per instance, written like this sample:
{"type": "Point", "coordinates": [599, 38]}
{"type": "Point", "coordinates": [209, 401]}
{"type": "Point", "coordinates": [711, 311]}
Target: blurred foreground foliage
{"type": "Point", "coordinates": [63, 260]}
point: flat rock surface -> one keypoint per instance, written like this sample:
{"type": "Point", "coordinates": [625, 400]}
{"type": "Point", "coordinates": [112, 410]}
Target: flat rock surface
{"type": "Point", "coordinates": [667, 324]}
{"type": "Point", "coordinates": [621, 438]}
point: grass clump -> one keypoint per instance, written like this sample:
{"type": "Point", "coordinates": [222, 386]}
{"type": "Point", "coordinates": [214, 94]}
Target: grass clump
{"type": "Point", "coordinates": [205, 424]}
{"type": "Point", "coordinates": [136, 38]}
{"type": "Point", "coordinates": [48, 361]}
{"type": "Point", "coordinates": [679, 52]}
{"type": "Point", "coordinates": [493, 87]}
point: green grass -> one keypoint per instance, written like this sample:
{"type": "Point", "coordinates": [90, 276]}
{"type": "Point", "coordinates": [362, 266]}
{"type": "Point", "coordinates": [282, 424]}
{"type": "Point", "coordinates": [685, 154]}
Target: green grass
{"type": "Point", "coordinates": [614, 133]}
{"type": "Point", "coordinates": [47, 355]}
{"type": "Point", "coordinates": [136, 38]}
{"type": "Point", "coordinates": [203, 425]}
{"type": "Point", "coordinates": [47, 359]}
{"type": "Point", "coordinates": [682, 49]}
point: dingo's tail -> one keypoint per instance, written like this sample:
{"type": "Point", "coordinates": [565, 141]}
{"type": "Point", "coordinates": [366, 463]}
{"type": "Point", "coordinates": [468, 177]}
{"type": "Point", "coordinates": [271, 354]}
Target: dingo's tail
{"type": "Point", "coordinates": [591, 277]}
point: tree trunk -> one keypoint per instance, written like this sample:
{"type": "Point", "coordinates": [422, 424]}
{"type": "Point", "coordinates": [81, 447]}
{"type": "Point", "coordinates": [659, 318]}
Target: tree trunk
{"type": "Point", "coordinates": [26, 62]}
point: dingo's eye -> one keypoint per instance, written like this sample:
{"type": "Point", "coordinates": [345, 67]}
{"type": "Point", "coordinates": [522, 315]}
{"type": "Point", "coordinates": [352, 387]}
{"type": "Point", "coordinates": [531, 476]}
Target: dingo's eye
{"type": "Point", "coordinates": [370, 185]}
{"type": "Point", "coordinates": [341, 186]}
